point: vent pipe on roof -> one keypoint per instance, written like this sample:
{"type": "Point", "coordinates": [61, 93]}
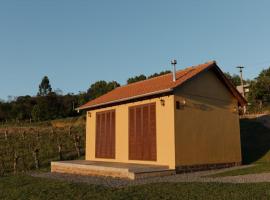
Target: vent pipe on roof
{"type": "Point", "coordinates": [174, 62]}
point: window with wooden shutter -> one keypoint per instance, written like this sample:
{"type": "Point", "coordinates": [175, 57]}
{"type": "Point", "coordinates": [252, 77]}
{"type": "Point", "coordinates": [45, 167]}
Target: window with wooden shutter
{"type": "Point", "coordinates": [142, 132]}
{"type": "Point", "coordinates": [105, 134]}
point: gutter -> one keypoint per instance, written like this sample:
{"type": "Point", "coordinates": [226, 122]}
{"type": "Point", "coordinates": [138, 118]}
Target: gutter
{"type": "Point", "coordinates": [125, 99]}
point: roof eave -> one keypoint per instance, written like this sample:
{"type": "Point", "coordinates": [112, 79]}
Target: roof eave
{"type": "Point", "coordinates": [241, 100]}
{"type": "Point", "coordinates": [124, 99]}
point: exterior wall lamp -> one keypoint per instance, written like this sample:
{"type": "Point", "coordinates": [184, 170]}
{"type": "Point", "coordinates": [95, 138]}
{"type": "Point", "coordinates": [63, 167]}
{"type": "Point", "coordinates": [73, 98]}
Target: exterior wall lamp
{"type": "Point", "coordinates": [162, 102]}
{"type": "Point", "coordinates": [89, 114]}
{"type": "Point", "coordinates": [235, 109]}
{"type": "Point", "coordinates": [183, 102]}
{"type": "Point", "coordinates": [180, 104]}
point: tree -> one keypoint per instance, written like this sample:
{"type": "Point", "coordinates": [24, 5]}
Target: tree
{"type": "Point", "coordinates": [22, 107]}
{"type": "Point", "coordinates": [235, 79]}
{"type": "Point", "coordinates": [101, 87]}
{"type": "Point", "coordinates": [81, 98]}
{"type": "Point", "coordinates": [136, 79]}
{"type": "Point", "coordinates": [112, 85]}
{"type": "Point", "coordinates": [36, 113]}
{"type": "Point", "coordinates": [159, 74]}
{"type": "Point", "coordinates": [44, 87]}
{"type": "Point", "coordinates": [143, 77]}
{"type": "Point", "coordinates": [260, 88]}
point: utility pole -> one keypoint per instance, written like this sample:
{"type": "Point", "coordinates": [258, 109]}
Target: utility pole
{"type": "Point", "coordinates": [241, 77]}
{"type": "Point", "coordinates": [242, 85]}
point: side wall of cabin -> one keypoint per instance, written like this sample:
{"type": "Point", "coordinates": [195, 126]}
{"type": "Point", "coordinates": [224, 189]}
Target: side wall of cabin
{"type": "Point", "coordinates": [206, 123]}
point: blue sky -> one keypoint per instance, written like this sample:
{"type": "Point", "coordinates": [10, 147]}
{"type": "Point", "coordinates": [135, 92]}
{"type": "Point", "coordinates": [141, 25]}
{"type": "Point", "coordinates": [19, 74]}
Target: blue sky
{"type": "Point", "coordinates": [76, 43]}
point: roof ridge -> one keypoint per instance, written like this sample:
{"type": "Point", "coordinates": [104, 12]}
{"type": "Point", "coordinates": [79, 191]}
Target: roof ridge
{"type": "Point", "coordinates": [147, 79]}
{"type": "Point", "coordinates": [160, 76]}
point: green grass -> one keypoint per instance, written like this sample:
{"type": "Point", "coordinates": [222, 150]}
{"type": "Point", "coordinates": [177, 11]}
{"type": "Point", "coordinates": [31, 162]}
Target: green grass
{"type": "Point", "coordinates": [256, 169]}
{"type": "Point", "coordinates": [25, 187]}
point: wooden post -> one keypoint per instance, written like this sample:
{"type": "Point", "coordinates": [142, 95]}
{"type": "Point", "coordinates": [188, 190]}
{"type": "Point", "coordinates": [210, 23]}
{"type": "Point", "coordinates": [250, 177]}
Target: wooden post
{"type": "Point", "coordinates": [15, 162]}
{"type": "Point", "coordinates": [37, 135]}
{"type": "Point", "coordinates": [69, 130]}
{"type": "Point", "coordinates": [77, 144]}
{"type": "Point", "coordinates": [6, 134]}
{"type": "Point", "coordinates": [24, 164]}
{"type": "Point", "coordinates": [60, 152]}
{"type": "Point", "coordinates": [2, 168]}
{"type": "Point", "coordinates": [23, 135]}
{"type": "Point", "coordinates": [35, 155]}
{"type": "Point", "coordinates": [52, 132]}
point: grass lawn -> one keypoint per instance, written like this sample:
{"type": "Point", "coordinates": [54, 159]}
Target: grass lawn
{"type": "Point", "coordinates": [256, 169]}
{"type": "Point", "coordinates": [25, 187]}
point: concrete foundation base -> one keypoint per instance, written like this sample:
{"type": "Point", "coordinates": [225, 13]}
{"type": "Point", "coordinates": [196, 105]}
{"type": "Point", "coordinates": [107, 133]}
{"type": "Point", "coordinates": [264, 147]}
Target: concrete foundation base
{"type": "Point", "coordinates": [203, 167]}
{"type": "Point", "coordinates": [113, 169]}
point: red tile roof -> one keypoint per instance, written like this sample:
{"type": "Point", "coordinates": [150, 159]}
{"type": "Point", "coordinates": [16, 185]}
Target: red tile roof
{"type": "Point", "coordinates": [158, 85]}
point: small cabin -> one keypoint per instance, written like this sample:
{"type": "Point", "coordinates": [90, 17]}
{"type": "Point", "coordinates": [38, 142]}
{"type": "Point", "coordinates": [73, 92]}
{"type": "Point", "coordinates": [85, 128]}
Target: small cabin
{"type": "Point", "coordinates": [189, 122]}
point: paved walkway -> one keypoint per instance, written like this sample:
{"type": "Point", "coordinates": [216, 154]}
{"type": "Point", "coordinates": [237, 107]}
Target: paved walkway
{"type": "Point", "coordinates": [189, 177]}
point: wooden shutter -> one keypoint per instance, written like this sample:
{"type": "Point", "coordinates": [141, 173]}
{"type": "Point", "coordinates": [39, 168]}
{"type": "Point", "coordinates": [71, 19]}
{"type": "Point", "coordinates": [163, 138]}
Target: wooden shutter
{"type": "Point", "coordinates": [142, 132]}
{"type": "Point", "coordinates": [105, 134]}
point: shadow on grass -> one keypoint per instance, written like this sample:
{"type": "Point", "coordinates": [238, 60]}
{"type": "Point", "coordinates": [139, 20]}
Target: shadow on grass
{"type": "Point", "coordinates": [255, 141]}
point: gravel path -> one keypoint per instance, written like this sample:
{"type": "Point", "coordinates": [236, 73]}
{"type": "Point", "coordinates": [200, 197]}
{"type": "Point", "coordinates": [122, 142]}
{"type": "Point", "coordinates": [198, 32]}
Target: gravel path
{"type": "Point", "coordinates": [189, 177]}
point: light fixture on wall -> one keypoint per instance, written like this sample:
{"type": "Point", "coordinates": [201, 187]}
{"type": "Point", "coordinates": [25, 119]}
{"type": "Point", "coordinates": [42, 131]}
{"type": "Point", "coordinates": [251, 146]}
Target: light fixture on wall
{"type": "Point", "coordinates": [183, 102]}
{"type": "Point", "coordinates": [89, 114]}
{"type": "Point", "coordinates": [180, 104]}
{"type": "Point", "coordinates": [235, 109]}
{"type": "Point", "coordinates": [162, 102]}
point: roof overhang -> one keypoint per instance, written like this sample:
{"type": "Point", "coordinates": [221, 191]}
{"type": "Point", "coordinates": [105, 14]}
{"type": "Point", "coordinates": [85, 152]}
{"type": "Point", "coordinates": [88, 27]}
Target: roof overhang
{"type": "Point", "coordinates": [118, 101]}
{"type": "Point", "coordinates": [241, 100]}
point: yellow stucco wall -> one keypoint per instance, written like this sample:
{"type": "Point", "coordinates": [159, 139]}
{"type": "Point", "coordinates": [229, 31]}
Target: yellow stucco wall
{"type": "Point", "coordinates": [207, 127]}
{"type": "Point", "coordinates": [204, 131]}
{"type": "Point", "coordinates": [165, 132]}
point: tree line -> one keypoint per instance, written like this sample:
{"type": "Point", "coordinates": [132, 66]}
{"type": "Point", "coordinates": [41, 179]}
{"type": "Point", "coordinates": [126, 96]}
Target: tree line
{"type": "Point", "coordinates": [51, 104]}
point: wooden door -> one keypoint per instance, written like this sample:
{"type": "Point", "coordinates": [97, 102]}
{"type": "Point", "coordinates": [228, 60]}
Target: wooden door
{"type": "Point", "coordinates": [105, 134]}
{"type": "Point", "coordinates": [142, 132]}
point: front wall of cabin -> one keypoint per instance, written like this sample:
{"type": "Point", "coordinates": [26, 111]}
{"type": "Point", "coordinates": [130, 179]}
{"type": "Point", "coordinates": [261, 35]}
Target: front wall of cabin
{"type": "Point", "coordinates": [164, 142]}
